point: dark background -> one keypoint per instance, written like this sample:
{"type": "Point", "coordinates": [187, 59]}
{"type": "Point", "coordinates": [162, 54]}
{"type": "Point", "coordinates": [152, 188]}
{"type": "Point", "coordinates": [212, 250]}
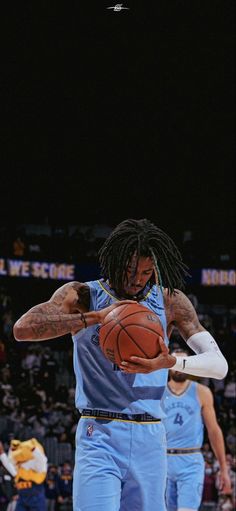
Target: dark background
{"type": "Point", "coordinates": [107, 115]}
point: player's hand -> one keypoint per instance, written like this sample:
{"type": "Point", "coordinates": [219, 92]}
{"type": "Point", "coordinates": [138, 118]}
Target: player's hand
{"type": "Point", "coordinates": [144, 365]}
{"type": "Point", "coordinates": [103, 313]}
{"type": "Point", "coordinates": [224, 482]}
{"type": "Point", "coordinates": [1, 448]}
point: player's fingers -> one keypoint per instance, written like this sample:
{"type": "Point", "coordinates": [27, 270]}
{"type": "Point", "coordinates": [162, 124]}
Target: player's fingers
{"type": "Point", "coordinates": [138, 360]}
{"type": "Point", "coordinates": [132, 367]}
{"type": "Point", "coordinates": [135, 369]}
{"type": "Point", "coordinates": [164, 348]}
{"type": "Point", "coordinates": [137, 365]}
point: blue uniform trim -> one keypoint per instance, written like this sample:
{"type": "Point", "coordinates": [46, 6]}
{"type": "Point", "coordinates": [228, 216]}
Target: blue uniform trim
{"type": "Point", "coordinates": [103, 414]}
{"type": "Point", "coordinates": [108, 290]}
{"type": "Point", "coordinates": [190, 450]}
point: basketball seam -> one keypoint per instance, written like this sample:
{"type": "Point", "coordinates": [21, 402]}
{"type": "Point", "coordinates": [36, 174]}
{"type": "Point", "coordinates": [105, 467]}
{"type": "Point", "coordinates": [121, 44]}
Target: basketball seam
{"type": "Point", "coordinates": [123, 328]}
{"type": "Point", "coordinates": [116, 318]}
{"type": "Point", "coordinates": [113, 316]}
{"type": "Point", "coordinates": [139, 312]}
{"type": "Point", "coordinates": [133, 340]}
{"type": "Point", "coordinates": [120, 309]}
{"type": "Point", "coordinates": [145, 327]}
{"type": "Point", "coordinates": [109, 331]}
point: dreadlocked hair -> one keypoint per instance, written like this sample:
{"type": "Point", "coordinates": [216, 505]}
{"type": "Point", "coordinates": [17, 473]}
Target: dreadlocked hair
{"type": "Point", "coordinates": [142, 239]}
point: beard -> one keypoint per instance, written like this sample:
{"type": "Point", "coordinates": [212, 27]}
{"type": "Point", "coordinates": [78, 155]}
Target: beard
{"type": "Point", "coordinates": [178, 377]}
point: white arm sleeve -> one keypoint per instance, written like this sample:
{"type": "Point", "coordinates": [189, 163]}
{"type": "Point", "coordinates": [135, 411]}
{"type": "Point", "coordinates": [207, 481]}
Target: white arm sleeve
{"type": "Point", "coordinates": [208, 362]}
{"type": "Point", "coordinates": [7, 464]}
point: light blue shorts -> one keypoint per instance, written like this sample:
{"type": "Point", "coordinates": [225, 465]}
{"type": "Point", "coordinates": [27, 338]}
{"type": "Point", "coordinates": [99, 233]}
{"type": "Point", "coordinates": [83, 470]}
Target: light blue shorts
{"type": "Point", "coordinates": [119, 466]}
{"type": "Point", "coordinates": [185, 477]}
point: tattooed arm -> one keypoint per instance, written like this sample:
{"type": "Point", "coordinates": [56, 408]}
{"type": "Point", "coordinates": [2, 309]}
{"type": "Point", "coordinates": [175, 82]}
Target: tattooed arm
{"type": "Point", "coordinates": [181, 314]}
{"type": "Point", "coordinates": [209, 360]}
{"type": "Point", "coordinates": [60, 315]}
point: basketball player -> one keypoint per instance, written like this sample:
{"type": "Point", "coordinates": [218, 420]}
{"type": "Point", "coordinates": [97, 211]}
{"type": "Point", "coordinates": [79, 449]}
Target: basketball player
{"type": "Point", "coordinates": [120, 461]}
{"type": "Point", "coordinates": [27, 463]}
{"type": "Point", "coordinates": [188, 406]}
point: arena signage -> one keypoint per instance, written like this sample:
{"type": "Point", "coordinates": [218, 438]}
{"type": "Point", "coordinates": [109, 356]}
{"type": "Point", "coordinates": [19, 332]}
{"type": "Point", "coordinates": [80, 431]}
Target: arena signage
{"type": "Point", "coordinates": [216, 277]}
{"type": "Point", "coordinates": [83, 272]}
{"type": "Point", "coordinates": [36, 269]}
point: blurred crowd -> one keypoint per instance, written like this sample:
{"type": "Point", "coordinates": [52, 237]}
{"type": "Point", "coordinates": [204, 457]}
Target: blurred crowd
{"type": "Point", "coordinates": [37, 389]}
{"type": "Point", "coordinates": [49, 242]}
{"type": "Point", "coordinates": [76, 243]}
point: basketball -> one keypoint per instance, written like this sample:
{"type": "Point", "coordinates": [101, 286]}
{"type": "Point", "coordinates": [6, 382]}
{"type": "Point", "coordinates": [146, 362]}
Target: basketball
{"type": "Point", "coordinates": [130, 330]}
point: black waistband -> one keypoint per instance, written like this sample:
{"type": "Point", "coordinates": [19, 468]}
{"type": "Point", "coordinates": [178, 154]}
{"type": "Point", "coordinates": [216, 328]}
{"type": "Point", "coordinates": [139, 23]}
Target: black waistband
{"type": "Point", "coordinates": [184, 451]}
{"type": "Point", "coordinates": [139, 417]}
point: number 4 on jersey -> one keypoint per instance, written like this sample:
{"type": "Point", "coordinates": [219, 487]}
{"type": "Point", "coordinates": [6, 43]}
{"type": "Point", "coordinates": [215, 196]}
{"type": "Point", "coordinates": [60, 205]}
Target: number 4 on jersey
{"type": "Point", "coordinates": [178, 419]}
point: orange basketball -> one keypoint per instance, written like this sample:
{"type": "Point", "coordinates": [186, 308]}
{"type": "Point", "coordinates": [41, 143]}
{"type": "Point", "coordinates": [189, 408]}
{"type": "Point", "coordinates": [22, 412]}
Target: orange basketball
{"type": "Point", "coordinates": [130, 329]}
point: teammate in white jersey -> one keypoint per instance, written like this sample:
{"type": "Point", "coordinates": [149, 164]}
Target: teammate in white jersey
{"type": "Point", "coordinates": [120, 461]}
{"type": "Point", "coordinates": [189, 406]}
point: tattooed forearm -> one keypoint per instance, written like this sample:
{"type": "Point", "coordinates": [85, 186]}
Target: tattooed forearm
{"type": "Point", "coordinates": [45, 325]}
{"type": "Point", "coordinates": [182, 314]}
{"type": "Point", "coordinates": [59, 316]}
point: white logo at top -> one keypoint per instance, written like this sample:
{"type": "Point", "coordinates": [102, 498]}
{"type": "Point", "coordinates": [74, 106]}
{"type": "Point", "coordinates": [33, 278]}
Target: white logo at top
{"type": "Point", "coordinates": [118, 7]}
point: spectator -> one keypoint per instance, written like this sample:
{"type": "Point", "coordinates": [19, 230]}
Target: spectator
{"type": "Point", "coordinates": [48, 370]}
{"type": "Point", "coordinates": [65, 487]}
{"type": "Point", "coordinates": [3, 356]}
{"type": "Point", "coordinates": [5, 300]}
{"type": "Point", "coordinates": [218, 386]}
{"type": "Point", "coordinates": [19, 247]}
{"type": "Point", "coordinates": [38, 424]}
{"type": "Point", "coordinates": [61, 395]}
{"type": "Point", "coordinates": [10, 401]}
{"type": "Point", "coordinates": [231, 436]}
{"type": "Point", "coordinates": [3, 494]}
{"type": "Point", "coordinates": [8, 321]}
{"type": "Point", "coordinates": [31, 363]}
{"type": "Point", "coordinates": [51, 487]}
{"type": "Point", "coordinates": [207, 452]}
{"type": "Point", "coordinates": [225, 503]}
{"type": "Point", "coordinates": [230, 390]}
{"type": "Point", "coordinates": [209, 496]}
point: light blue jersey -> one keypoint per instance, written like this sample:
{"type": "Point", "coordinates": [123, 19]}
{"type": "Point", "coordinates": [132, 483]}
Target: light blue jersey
{"type": "Point", "coordinates": [120, 440]}
{"type": "Point", "coordinates": [183, 422]}
{"type": "Point", "coordinates": [99, 383]}
{"type": "Point", "coordinates": [185, 464]}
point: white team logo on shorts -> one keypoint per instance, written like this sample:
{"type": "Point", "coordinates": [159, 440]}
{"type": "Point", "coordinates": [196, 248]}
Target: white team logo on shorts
{"type": "Point", "coordinates": [90, 430]}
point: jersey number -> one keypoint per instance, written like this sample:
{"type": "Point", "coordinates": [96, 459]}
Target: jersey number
{"type": "Point", "coordinates": [178, 419]}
